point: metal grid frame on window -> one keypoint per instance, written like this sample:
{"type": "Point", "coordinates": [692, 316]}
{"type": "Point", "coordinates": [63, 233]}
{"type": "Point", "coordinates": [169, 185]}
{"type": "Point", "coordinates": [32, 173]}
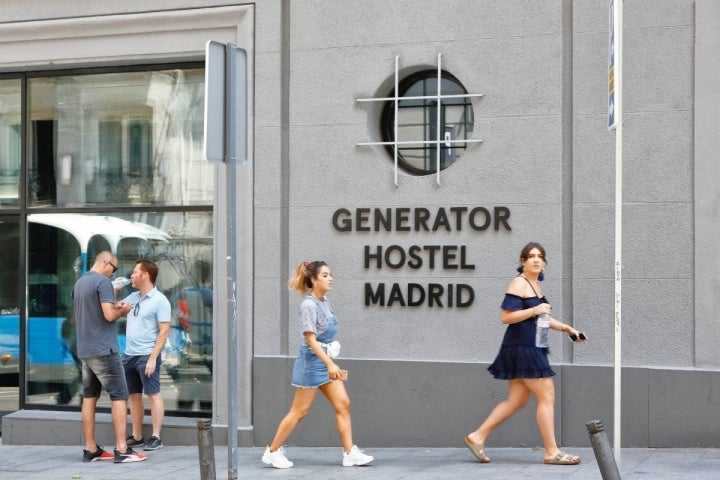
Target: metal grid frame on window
{"type": "Point", "coordinates": [395, 143]}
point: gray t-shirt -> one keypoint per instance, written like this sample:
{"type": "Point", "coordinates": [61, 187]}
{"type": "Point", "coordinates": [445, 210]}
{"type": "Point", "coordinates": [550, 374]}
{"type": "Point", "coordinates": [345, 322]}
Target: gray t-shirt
{"type": "Point", "coordinates": [96, 337]}
{"type": "Point", "coordinates": [314, 316]}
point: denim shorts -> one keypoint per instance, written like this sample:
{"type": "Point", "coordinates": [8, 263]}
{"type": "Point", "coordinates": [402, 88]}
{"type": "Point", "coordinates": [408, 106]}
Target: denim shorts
{"type": "Point", "coordinates": [309, 371]}
{"type": "Point", "coordinates": [135, 377]}
{"type": "Point", "coordinates": [104, 372]}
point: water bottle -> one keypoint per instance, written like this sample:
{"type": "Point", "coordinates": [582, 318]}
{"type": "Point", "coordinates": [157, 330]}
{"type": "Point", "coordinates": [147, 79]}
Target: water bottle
{"type": "Point", "coordinates": [541, 330]}
{"type": "Point", "coordinates": [120, 282]}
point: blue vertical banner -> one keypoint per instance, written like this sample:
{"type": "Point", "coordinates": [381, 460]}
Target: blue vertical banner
{"type": "Point", "coordinates": [612, 72]}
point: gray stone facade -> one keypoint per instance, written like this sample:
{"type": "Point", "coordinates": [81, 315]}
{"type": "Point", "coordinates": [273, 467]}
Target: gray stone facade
{"type": "Point", "coordinates": [418, 373]}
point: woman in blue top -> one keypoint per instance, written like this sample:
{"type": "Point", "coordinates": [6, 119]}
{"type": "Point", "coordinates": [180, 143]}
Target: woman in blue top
{"type": "Point", "coordinates": [524, 365]}
{"type": "Point", "coordinates": [314, 368]}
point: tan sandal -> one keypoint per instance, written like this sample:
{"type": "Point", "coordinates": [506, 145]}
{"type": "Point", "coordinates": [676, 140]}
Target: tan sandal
{"type": "Point", "coordinates": [477, 449]}
{"type": "Point", "coordinates": [563, 458]}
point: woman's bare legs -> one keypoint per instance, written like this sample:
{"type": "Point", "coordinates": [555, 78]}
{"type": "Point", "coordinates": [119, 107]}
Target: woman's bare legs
{"type": "Point", "coordinates": [519, 391]}
{"type": "Point", "coordinates": [337, 395]}
{"type": "Point", "coordinates": [518, 395]}
{"type": "Point", "coordinates": [544, 390]}
{"type": "Point", "coordinates": [299, 409]}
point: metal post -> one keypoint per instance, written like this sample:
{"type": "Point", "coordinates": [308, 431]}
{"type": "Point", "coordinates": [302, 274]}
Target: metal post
{"type": "Point", "coordinates": [206, 449]}
{"type": "Point", "coordinates": [603, 452]}
{"type": "Point", "coordinates": [230, 193]}
{"type": "Point", "coordinates": [616, 28]}
{"type": "Point", "coordinates": [226, 110]}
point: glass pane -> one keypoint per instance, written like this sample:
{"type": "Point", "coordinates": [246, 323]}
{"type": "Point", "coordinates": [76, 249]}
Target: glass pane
{"type": "Point", "coordinates": [418, 122]}
{"type": "Point", "coordinates": [9, 142]}
{"type": "Point", "coordinates": [117, 139]}
{"type": "Point", "coordinates": [9, 314]}
{"type": "Point", "coordinates": [62, 246]}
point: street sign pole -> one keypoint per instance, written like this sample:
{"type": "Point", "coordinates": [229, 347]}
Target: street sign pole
{"type": "Point", "coordinates": [235, 123]}
{"type": "Point", "coordinates": [225, 140]}
{"type": "Point", "coordinates": [615, 121]}
{"type": "Point", "coordinates": [231, 198]}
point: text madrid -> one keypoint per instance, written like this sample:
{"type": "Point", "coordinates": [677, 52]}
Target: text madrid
{"type": "Point", "coordinates": [458, 295]}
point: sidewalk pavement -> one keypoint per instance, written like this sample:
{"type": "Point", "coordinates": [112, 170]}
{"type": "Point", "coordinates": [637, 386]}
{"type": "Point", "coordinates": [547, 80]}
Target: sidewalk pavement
{"type": "Point", "coordinates": [182, 463]}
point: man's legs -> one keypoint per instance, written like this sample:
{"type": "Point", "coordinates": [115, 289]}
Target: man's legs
{"type": "Point", "coordinates": [157, 412]}
{"type": "Point", "coordinates": [88, 421]}
{"type": "Point", "coordinates": [137, 413]}
{"type": "Point", "coordinates": [91, 393]}
{"type": "Point", "coordinates": [133, 366]}
{"type": "Point", "coordinates": [112, 377]}
{"type": "Point", "coordinates": [107, 371]}
{"type": "Point", "coordinates": [151, 387]}
{"type": "Point", "coordinates": [118, 410]}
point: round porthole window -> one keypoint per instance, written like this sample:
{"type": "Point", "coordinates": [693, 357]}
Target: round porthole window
{"type": "Point", "coordinates": [421, 121]}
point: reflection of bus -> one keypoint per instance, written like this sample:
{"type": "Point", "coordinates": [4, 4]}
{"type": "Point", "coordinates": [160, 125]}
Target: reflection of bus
{"type": "Point", "coordinates": [97, 233]}
{"type": "Point", "coordinates": [61, 247]}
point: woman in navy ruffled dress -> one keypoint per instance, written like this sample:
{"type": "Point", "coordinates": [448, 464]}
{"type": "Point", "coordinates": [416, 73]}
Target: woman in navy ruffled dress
{"type": "Point", "coordinates": [524, 365]}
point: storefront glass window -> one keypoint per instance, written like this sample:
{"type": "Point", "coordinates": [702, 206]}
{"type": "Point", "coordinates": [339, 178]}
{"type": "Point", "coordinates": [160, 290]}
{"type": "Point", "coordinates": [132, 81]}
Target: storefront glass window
{"type": "Point", "coordinates": [9, 142]}
{"type": "Point", "coordinates": [126, 138]}
{"type": "Point", "coordinates": [62, 246]}
{"type": "Point", "coordinates": [9, 313]}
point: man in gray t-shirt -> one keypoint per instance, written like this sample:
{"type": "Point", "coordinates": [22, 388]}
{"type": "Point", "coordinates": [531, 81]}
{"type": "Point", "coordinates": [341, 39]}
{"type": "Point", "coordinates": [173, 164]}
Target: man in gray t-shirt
{"type": "Point", "coordinates": [96, 336]}
{"type": "Point", "coordinates": [95, 314]}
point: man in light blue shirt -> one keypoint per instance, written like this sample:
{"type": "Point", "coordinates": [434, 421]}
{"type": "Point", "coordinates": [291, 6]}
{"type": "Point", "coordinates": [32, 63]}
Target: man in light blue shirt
{"type": "Point", "coordinates": [148, 326]}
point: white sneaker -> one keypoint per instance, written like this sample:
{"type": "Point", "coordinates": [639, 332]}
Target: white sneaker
{"type": "Point", "coordinates": [355, 457]}
{"type": "Point", "coordinates": [277, 458]}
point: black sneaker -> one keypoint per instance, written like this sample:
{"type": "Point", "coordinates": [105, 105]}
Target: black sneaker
{"type": "Point", "coordinates": [98, 454]}
{"type": "Point", "coordinates": [129, 456]}
{"type": "Point", "coordinates": [132, 442]}
{"type": "Point", "coordinates": [153, 444]}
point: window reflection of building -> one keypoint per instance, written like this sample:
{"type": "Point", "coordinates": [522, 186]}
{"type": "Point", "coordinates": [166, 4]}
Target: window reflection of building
{"type": "Point", "coordinates": [118, 138]}
{"type": "Point", "coordinates": [9, 142]}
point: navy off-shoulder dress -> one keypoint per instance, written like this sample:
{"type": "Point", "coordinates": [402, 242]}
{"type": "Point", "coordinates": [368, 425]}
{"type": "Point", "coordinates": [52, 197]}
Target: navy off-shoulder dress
{"type": "Point", "coordinates": [518, 356]}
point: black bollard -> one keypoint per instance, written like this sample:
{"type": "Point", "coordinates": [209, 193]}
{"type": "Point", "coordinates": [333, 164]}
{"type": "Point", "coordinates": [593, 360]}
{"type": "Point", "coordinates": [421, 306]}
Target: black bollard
{"type": "Point", "coordinates": [206, 449]}
{"type": "Point", "coordinates": [603, 452]}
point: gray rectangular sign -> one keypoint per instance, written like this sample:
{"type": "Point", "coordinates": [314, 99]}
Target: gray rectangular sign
{"type": "Point", "coordinates": [214, 142]}
{"type": "Point", "coordinates": [236, 111]}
